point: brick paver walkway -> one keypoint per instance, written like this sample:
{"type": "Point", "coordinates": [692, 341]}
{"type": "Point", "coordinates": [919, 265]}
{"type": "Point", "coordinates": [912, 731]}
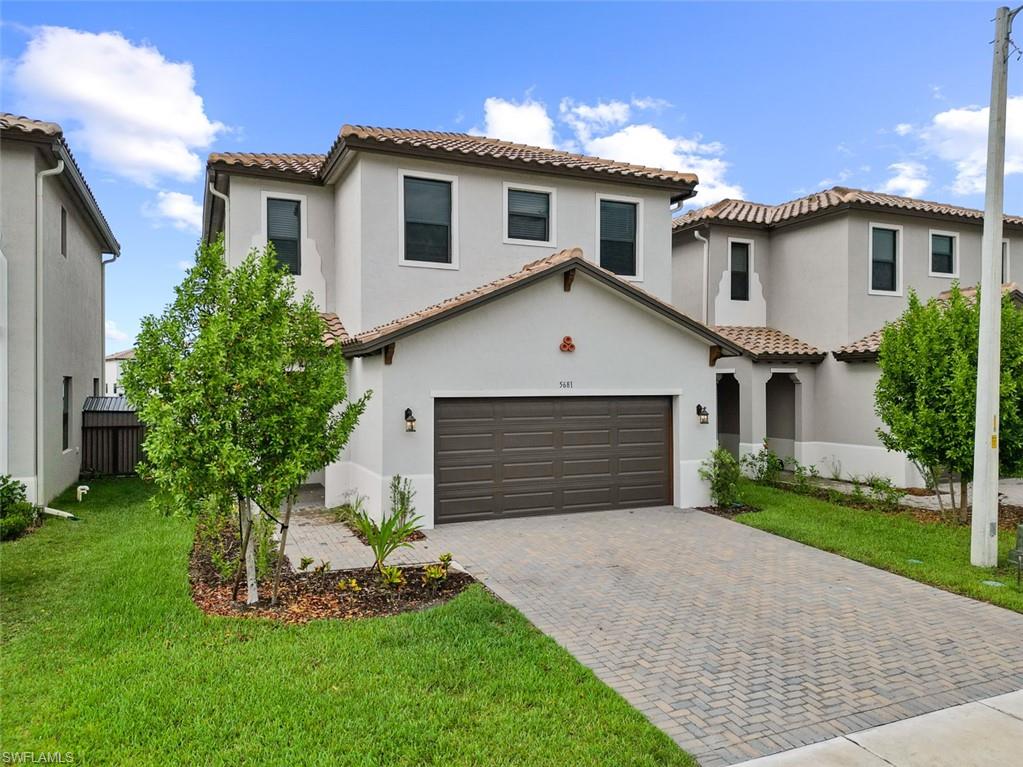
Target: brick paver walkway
{"type": "Point", "coordinates": [735, 642]}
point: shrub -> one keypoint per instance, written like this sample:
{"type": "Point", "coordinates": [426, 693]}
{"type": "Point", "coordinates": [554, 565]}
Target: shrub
{"type": "Point", "coordinates": [392, 576]}
{"type": "Point", "coordinates": [350, 509]}
{"type": "Point", "coordinates": [883, 492]}
{"type": "Point", "coordinates": [763, 465]}
{"type": "Point", "coordinates": [721, 470]}
{"type": "Point", "coordinates": [434, 576]}
{"type": "Point", "coordinates": [402, 495]}
{"type": "Point", "coordinates": [15, 519]}
{"type": "Point", "coordinates": [445, 560]}
{"type": "Point", "coordinates": [11, 492]}
{"type": "Point", "coordinates": [804, 477]}
{"type": "Point", "coordinates": [390, 535]}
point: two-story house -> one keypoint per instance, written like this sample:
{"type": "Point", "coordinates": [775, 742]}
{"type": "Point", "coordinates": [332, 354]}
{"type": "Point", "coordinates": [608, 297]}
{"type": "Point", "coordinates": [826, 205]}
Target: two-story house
{"type": "Point", "coordinates": [805, 288]}
{"type": "Point", "coordinates": [53, 239]}
{"type": "Point", "coordinates": [509, 307]}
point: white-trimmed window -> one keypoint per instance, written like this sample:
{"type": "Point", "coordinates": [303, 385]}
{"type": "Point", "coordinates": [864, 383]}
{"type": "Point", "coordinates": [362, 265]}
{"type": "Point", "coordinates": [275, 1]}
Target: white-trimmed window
{"type": "Point", "coordinates": [884, 265]}
{"type": "Point", "coordinates": [620, 235]}
{"type": "Point", "coordinates": [740, 266]}
{"type": "Point", "coordinates": [944, 256]}
{"type": "Point", "coordinates": [1006, 263]}
{"type": "Point", "coordinates": [284, 231]}
{"type": "Point", "coordinates": [428, 220]}
{"type": "Point", "coordinates": [529, 215]}
{"type": "Point", "coordinates": [65, 414]}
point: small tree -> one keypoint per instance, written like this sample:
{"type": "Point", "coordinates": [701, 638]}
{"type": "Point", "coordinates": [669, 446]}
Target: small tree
{"type": "Point", "coordinates": [926, 395]}
{"type": "Point", "coordinates": [240, 397]}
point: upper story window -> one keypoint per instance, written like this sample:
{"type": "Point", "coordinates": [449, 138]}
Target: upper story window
{"type": "Point", "coordinates": [284, 230]}
{"type": "Point", "coordinates": [740, 258]}
{"type": "Point", "coordinates": [944, 254]}
{"type": "Point", "coordinates": [1006, 276]}
{"type": "Point", "coordinates": [619, 236]}
{"type": "Point", "coordinates": [529, 215]}
{"type": "Point", "coordinates": [66, 414]}
{"type": "Point", "coordinates": [63, 231]}
{"type": "Point", "coordinates": [885, 254]}
{"type": "Point", "coordinates": [428, 210]}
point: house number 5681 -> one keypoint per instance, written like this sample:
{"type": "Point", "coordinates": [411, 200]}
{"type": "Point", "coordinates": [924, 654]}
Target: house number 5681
{"type": "Point", "coordinates": [565, 384]}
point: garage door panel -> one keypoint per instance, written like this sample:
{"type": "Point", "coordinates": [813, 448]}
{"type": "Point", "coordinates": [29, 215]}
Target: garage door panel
{"type": "Point", "coordinates": [508, 457]}
{"type": "Point", "coordinates": [529, 470]}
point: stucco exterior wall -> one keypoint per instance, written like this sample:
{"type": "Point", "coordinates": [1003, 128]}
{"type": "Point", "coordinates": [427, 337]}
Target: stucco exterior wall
{"type": "Point", "coordinates": [248, 228]}
{"type": "Point", "coordinates": [73, 319]}
{"type": "Point", "coordinates": [390, 290]}
{"type": "Point", "coordinates": [509, 347]}
{"type": "Point", "coordinates": [687, 292]}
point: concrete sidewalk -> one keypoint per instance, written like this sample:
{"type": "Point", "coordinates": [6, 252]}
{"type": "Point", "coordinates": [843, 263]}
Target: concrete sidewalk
{"type": "Point", "coordinates": [987, 733]}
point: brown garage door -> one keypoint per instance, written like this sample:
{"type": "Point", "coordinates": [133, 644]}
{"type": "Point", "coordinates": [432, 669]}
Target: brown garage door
{"type": "Point", "coordinates": [522, 456]}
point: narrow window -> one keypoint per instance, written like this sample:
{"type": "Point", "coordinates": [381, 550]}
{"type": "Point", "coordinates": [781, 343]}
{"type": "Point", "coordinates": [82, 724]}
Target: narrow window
{"type": "Point", "coordinates": [883, 259]}
{"type": "Point", "coordinates": [63, 231]}
{"type": "Point", "coordinates": [739, 269]}
{"type": "Point", "coordinates": [618, 237]}
{"type": "Point", "coordinates": [427, 220]}
{"type": "Point", "coordinates": [66, 414]}
{"type": "Point", "coordinates": [283, 229]}
{"type": "Point", "coordinates": [95, 387]}
{"type": "Point", "coordinates": [529, 215]}
{"type": "Point", "coordinates": [942, 254]}
{"type": "Point", "coordinates": [1005, 261]}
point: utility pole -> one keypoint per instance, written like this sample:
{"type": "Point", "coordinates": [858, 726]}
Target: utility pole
{"type": "Point", "coordinates": [984, 530]}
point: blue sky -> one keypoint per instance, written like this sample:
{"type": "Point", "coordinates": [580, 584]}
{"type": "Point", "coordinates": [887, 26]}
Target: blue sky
{"type": "Point", "coordinates": [764, 101]}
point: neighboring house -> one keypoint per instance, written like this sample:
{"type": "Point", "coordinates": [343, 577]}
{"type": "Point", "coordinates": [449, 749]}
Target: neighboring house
{"type": "Point", "coordinates": [52, 241]}
{"type": "Point", "coordinates": [509, 306]}
{"type": "Point", "coordinates": [112, 371]}
{"type": "Point", "coordinates": [805, 288]}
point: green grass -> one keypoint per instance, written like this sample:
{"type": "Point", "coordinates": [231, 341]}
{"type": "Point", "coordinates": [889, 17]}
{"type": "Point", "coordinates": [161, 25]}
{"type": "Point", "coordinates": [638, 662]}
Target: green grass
{"type": "Point", "coordinates": [884, 540]}
{"type": "Point", "coordinates": [104, 655]}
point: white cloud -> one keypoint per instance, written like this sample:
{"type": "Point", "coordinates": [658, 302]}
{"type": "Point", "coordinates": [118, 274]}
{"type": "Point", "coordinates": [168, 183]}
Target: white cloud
{"type": "Point", "coordinates": [903, 129]}
{"type": "Point", "coordinates": [181, 210]}
{"type": "Point", "coordinates": [647, 145]}
{"type": "Point", "coordinates": [605, 129]}
{"type": "Point", "coordinates": [959, 136]}
{"type": "Point", "coordinates": [114, 333]}
{"type": "Point", "coordinates": [525, 122]}
{"type": "Point", "coordinates": [584, 119]}
{"type": "Point", "coordinates": [909, 179]}
{"type": "Point", "coordinates": [136, 113]}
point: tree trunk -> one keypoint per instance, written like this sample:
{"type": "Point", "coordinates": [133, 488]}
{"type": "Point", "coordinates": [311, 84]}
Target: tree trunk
{"type": "Point", "coordinates": [250, 559]}
{"type": "Point", "coordinates": [280, 551]}
{"type": "Point", "coordinates": [964, 504]}
{"type": "Point", "coordinates": [246, 528]}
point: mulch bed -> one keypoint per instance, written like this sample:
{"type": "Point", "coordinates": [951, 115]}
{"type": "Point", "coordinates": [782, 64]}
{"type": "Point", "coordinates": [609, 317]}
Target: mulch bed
{"type": "Point", "coordinates": [306, 596]}
{"type": "Point", "coordinates": [729, 512]}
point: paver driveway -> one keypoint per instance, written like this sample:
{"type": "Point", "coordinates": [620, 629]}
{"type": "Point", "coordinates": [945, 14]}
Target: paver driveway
{"type": "Point", "coordinates": [734, 641]}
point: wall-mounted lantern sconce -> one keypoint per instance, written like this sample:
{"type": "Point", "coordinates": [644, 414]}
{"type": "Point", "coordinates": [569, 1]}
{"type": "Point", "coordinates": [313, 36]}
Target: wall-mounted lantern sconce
{"type": "Point", "coordinates": [703, 414]}
{"type": "Point", "coordinates": [410, 420]}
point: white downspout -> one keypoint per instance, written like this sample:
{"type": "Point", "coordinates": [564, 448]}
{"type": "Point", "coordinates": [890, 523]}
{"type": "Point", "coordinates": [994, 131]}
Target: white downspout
{"type": "Point", "coordinates": [5, 333]}
{"type": "Point", "coordinates": [40, 378]}
{"type": "Point", "coordinates": [227, 221]}
{"type": "Point", "coordinates": [706, 270]}
{"type": "Point", "coordinates": [103, 320]}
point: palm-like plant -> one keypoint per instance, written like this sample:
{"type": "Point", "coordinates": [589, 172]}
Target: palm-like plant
{"type": "Point", "coordinates": [387, 537]}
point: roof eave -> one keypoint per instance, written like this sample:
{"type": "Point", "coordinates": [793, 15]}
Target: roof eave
{"type": "Point", "coordinates": [681, 190]}
{"type": "Point", "coordinates": [356, 348]}
{"type": "Point", "coordinates": [854, 356]}
{"type": "Point", "coordinates": [812, 359]}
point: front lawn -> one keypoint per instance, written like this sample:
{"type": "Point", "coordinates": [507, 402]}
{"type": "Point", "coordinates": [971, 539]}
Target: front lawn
{"type": "Point", "coordinates": [104, 655]}
{"type": "Point", "coordinates": [934, 553]}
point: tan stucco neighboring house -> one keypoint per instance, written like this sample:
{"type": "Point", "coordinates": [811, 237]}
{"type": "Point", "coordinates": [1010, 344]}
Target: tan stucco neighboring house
{"type": "Point", "coordinates": [112, 371]}
{"type": "Point", "coordinates": [53, 239]}
{"type": "Point", "coordinates": [820, 275]}
{"type": "Point", "coordinates": [510, 308]}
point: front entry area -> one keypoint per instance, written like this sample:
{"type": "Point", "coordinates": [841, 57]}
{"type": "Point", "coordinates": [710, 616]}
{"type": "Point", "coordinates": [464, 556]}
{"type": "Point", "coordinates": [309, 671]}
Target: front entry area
{"type": "Point", "coordinates": [528, 456]}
